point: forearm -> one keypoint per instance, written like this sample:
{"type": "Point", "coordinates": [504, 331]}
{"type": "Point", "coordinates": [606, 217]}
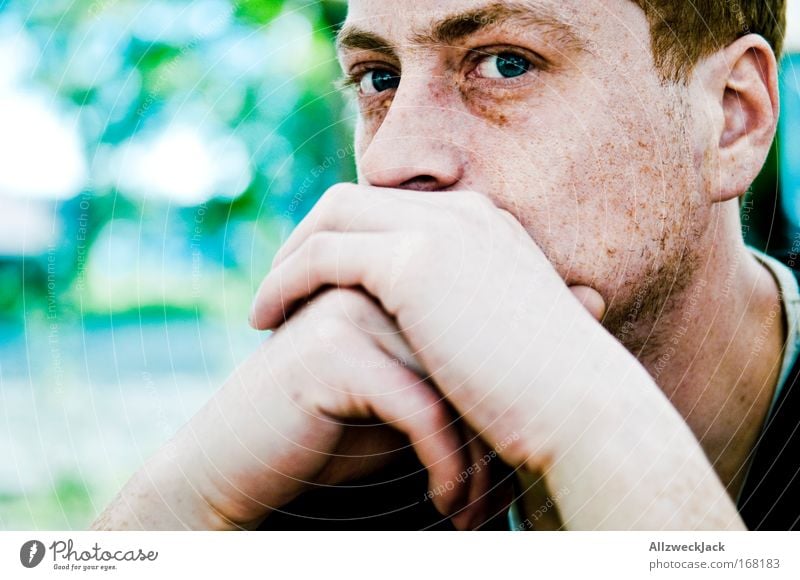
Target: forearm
{"type": "Point", "coordinates": [192, 482]}
{"type": "Point", "coordinates": [160, 496]}
{"type": "Point", "coordinates": [635, 464]}
{"type": "Point", "coordinates": [248, 451]}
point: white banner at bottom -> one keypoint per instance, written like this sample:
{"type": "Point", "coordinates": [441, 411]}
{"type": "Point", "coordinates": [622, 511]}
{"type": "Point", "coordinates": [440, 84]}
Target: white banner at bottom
{"type": "Point", "coordinates": [401, 555]}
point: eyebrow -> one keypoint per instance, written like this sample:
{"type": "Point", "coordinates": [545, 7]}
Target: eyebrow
{"type": "Point", "coordinates": [454, 28]}
{"type": "Point", "coordinates": [354, 38]}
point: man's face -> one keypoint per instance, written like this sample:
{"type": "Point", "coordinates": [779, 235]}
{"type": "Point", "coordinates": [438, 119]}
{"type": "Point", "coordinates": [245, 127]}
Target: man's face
{"type": "Point", "coordinates": [555, 110]}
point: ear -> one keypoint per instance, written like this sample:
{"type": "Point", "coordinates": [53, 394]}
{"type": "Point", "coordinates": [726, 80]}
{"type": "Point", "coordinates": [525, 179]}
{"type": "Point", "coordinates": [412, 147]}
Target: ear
{"type": "Point", "coordinates": [748, 90]}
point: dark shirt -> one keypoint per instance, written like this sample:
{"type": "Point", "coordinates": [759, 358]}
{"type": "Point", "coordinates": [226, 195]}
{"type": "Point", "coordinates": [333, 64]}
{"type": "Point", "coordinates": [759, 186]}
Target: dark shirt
{"type": "Point", "coordinates": [770, 499]}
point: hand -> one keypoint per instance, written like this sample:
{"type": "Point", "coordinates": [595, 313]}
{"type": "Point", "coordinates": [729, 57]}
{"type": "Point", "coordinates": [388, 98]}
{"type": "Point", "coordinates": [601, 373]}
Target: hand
{"type": "Point", "coordinates": [511, 348]}
{"type": "Point", "coordinates": [280, 423]}
{"type": "Point", "coordinates": [474, 296]}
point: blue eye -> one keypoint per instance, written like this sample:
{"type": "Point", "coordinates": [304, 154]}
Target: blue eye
{"type": "Point", "coordinates": [505, 65]}
{"type": "Point", "coordinates": [377, 81]}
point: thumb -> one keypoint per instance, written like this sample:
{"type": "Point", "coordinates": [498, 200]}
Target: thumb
{"type": "Point", "coordinates": [591, 300]}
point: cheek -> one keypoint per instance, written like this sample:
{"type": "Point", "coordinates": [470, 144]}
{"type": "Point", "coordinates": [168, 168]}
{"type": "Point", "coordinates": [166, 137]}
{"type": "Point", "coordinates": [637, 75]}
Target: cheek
{"type": "Point", "coordinates": [634, 204]}
{"type": "Point", "coordinates": [604, 204]}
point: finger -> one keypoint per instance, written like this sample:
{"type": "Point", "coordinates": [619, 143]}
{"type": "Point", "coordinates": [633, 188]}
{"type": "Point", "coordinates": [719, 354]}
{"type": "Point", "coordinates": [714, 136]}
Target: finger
{"type": "Point", "coordinates": [591, 300]}
{"type": "Point", "coordinates": [371, 318]}
{"type": "Point", "coordinates": [430, 425]}
{"type": "Point", "coordinates": [478, 476]}
{"type": "Point", "coordinates": [400, 399]}
{"type": "Point", "coordinates": [347, 207]}
{"type": "Point", "coordinates": [325, 258]}
{"type": "Point", "coordinates": [361, 452]}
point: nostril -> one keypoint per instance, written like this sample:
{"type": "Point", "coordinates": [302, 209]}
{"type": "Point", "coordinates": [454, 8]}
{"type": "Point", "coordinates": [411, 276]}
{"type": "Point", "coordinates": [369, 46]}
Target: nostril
{"type": "Point", "coordinates": [421, 183]}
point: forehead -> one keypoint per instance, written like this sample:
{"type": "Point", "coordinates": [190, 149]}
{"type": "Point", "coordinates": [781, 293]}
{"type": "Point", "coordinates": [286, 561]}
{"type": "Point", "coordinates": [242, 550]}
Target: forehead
{"type": "Point", "coordinates": [418, 21]}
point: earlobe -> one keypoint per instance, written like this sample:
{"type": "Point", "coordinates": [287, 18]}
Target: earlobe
{"type": "Point", "coordinates": [750, 108]}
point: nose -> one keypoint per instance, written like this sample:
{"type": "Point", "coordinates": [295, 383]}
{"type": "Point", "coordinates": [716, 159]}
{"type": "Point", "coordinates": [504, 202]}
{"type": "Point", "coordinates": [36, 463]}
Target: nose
{"type": "Point", "coordinates": [415, 147]}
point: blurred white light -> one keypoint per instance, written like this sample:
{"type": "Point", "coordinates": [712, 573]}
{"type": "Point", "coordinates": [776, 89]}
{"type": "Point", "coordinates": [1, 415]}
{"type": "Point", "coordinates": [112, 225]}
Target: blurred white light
{"type": "Point", "coordinates": [93, 57]}
{"type": "Point", "coordinates": [793, 26]}
{"type": "Point", "coordinates": [183, 165]}
{"type": "Point", "coordinates": [18, 53]}
{"type": "Point", "coordinates": [27, 228]}
{"type": "Point", "coordinates": [41, 154]}
{"type": "Point", "coordinates": [182, 22]}
{"type": "Point", "coordinates": [289, 46]}
{"type": "Point", "coordinates": [209, 18]}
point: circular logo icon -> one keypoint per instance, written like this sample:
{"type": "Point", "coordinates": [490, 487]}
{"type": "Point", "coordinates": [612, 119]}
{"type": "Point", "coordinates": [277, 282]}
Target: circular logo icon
{"type": "Point", "coordinates": [31, 553]}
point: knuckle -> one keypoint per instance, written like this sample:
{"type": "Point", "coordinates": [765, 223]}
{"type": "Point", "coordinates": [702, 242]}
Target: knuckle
{"type": "Point", "coordinates": [354, 303]}
{"type": "Point", "coordinates": [332, 331]}
{"type": "Point", "coordinates": [474, 201]}
{"type": "Point", "coordinates": [479, 199]}
{"type": "Point", "coordinates": [511, 220]}
{"type": "Point", "coordinates": [342, 309]}
{"type": "Point", "coordinates": [336, 193]}
{"type": "Point", "coordinates": [336, 189]}
{"type": "Point", "coordinates": [316, 245]}
{"type": "Point", "coordinates": [319, 338]}
{"type": "Point", "coordinates": [326, 304]}
{"type": "Point", "coordinates": [417, 245]}
{"type": "Point", "coordinates": [464, 205]}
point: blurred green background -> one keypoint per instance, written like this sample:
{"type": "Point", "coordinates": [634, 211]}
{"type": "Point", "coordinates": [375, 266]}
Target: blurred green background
{"type": "Point", "coordinates": [153, 154]}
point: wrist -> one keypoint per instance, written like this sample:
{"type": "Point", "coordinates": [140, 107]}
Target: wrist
{"type": "Point", "coordinates": [635, 464]}
{"type": "Point", "coordinates": [159, 497]}
{"type": "Point", "coordinates": [599, 400]}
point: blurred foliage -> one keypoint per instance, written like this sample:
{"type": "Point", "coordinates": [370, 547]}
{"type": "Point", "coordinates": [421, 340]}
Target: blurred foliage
{"type": "Point", "coordinates": [67, 506]}
{"type": "Point", "coordinates": [251, 81]}
{"type": "Point", "coordinates": [154, 154]}
{"type": "Point", "coordinates": [770, 209]}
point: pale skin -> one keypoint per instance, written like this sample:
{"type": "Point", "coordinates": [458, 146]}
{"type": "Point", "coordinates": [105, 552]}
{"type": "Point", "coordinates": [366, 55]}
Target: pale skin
{"type": "Point", "coordinates": [497, 247]}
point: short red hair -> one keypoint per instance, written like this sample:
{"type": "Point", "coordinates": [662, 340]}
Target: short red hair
{"type": "Point", "coordinates": [685, 31]}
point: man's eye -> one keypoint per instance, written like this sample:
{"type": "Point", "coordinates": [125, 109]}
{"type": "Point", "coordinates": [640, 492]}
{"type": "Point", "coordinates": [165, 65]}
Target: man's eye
{"type": "Point", "coordinates": [377, 81]}
{"type": "Point", "coordinates": [505, 65]}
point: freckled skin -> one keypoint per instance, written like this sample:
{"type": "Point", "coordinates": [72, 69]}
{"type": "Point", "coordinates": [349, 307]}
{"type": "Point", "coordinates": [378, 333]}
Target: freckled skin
{"type": "Point", "coordinates": [587, 155]}
{"type": "Point", "coordinates": [617, 176]}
